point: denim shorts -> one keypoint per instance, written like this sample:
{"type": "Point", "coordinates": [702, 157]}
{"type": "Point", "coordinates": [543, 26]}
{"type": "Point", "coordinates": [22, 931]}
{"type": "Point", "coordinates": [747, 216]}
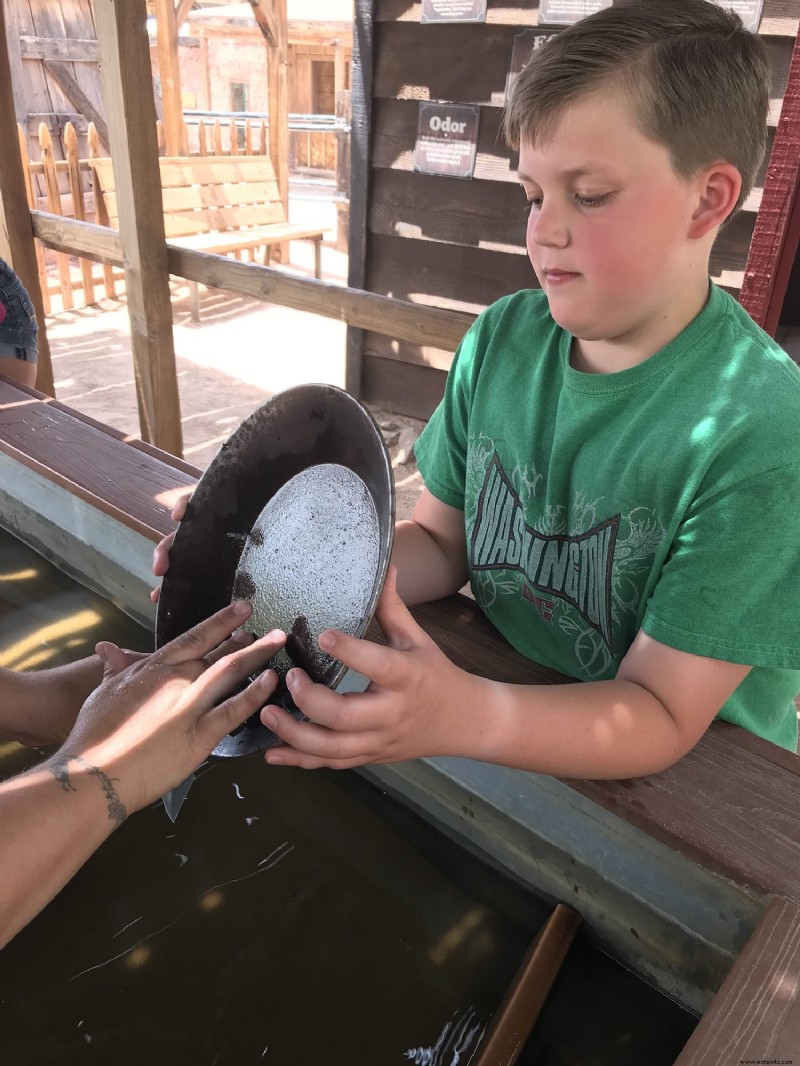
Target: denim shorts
{"type": "Point", "coordinates": [18, 326]}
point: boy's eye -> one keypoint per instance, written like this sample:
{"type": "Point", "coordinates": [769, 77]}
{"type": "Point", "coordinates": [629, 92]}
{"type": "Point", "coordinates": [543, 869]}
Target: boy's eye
{"type": "Point", "coordinates": [532, 201]}
{"type": "Point", "coordinates": [591, 201]}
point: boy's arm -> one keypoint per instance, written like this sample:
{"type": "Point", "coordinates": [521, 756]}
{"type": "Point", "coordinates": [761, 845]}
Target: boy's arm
{"type": "Point", "coordinates": [430, 551]}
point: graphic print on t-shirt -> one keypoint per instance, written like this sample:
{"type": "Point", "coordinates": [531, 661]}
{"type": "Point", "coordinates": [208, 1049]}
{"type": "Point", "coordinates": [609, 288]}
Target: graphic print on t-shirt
{"type": "Point", "coordinates": [577, 565]}
{"type": "Point", "coordinates": [576, 569]}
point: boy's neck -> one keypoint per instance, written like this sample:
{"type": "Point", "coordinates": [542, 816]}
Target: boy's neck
{"type": "Point", "coordinates": [610, 355]}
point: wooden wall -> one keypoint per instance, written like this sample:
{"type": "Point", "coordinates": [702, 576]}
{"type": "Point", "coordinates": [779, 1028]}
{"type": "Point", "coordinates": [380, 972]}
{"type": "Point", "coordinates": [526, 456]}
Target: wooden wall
{"type": "Point", "coordinates": [54, 68]}
{"type": "Point", "coordinates": [451, 242]}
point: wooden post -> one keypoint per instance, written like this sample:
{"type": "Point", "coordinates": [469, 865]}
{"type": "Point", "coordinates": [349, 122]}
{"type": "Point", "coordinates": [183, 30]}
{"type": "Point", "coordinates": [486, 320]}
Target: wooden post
{"type": "Point", "coordinates": [169, 70]}
{"type": "Point", "coordinates": [16, 234]}
{"type": "Point", "coordinates": [101, 213]}
{"type": "Point", "coordinates": [278, 83]}
{"type": "Point", "coordinates": [40, 261]}
{"type": "Point", "coordinates": [54, 206]}
{"type": "Point", "coordinates": [125, 68]}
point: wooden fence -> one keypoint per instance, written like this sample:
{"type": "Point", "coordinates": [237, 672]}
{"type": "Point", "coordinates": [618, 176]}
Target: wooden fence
{"type": "Point", "coordinates": [64, 187]}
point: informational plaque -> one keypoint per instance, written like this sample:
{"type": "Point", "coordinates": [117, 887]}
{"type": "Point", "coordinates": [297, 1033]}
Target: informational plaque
{"type": "Point", "coordinates": [525, 44]}
{"type": "Point", "coordinates": [447, 139]}
{"type": "Point", "coordinates": [749, 11]}
{"type": "Point", "coordinates": [565, 12]}
{"type": "Point", "coordinates": [453, 11]}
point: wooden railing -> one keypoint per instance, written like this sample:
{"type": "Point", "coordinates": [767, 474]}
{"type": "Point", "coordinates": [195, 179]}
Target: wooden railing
{"type": "Point", "coordinates": [64, 187]}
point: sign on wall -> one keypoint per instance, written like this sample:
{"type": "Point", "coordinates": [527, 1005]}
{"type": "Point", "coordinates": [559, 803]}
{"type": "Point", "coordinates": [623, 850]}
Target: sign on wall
{"type": "Point", "coordinates": [453, 11]}
{"type": "Point", "coordinates": [565, 12]}
{"type": "Point", "coordinates": [447, 139]}
{"type": "Point", "coordinates": [525, 44]}
{"type": "Point", "coordinates": [749, 11]}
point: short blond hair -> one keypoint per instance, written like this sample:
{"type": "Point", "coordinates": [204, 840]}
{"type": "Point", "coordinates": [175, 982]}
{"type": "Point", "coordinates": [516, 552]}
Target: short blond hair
{"type": "Point", "coordinates": [698, 81]}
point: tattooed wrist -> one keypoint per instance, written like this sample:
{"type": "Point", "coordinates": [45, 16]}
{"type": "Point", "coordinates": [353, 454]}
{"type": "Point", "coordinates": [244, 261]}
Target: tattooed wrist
{"type": "Point", "coordinates": [59, 768]}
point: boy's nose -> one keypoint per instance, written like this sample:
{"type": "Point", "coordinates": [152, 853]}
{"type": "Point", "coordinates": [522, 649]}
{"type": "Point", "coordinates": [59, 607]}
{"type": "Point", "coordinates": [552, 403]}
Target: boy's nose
{"type": "Point", "coordinates": [547, 228]}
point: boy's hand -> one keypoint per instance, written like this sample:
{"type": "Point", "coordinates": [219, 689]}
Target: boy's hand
{"type": "Point", "coordinates": [162, 549]}
{"type": "Point", "coordinates": [413, 708]}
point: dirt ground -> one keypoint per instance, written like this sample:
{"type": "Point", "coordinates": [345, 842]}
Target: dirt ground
{"type": "Point", "coordinates": [239, 354]}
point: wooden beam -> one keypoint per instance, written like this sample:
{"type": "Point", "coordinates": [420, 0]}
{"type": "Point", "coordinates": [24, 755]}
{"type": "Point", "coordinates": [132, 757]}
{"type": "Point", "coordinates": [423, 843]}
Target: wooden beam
{"type": "Point", "coordinates": [16, 234]}
{"type": "Point", "coordinates": [265, 17]}
{"type": "Point", "coordinates": [64, 49]}
{"type": "Point", "coordinates": [169, 69]}
{"type": "Point", "coordinates": [78, 97]}
{"type": "Point", "coordinates": [125, 72]}
{"type": "Point", "coordinates": [182, 9]}
{"type": "Point", "coordinates": [278, 83]}
{"type": "Point", "coordinates": [400, 319]}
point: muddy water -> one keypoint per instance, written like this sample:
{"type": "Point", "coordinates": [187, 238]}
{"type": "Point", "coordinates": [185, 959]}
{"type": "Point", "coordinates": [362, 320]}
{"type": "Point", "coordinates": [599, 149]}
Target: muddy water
{"type": "Point", "coordinates": [286, 918]}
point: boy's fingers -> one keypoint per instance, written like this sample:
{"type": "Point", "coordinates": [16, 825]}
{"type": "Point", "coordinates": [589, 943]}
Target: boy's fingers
{"type": "Point", "coordinates": [161, 555]}
{"type": "Point", "coordinates": [179, 507]}
{"type": "Point", "coordinates": [394, 618]}
{"type": "Point", "coordinates": [205, 637]}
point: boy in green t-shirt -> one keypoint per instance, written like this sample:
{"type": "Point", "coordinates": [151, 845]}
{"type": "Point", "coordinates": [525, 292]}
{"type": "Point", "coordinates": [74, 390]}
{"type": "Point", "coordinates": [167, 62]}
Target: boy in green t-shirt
{"type": "Point", "coordinates": [615, 466]}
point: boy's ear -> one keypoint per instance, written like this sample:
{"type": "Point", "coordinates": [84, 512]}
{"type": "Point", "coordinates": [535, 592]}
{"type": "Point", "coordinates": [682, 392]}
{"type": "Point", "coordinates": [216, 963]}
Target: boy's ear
{"type": "Point", "coordinates": [718, 187]}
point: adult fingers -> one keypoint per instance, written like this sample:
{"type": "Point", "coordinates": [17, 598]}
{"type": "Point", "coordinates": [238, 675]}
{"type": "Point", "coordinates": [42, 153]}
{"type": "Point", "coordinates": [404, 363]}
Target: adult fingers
{"type": "Point", "coordinates": [205, 637]}
{"type": "Point", "coordinates": [225, 675]}
{"type": "Point", "coordinates": [240, 639]}
{"type": "Point", "coordinates": [230, 714]}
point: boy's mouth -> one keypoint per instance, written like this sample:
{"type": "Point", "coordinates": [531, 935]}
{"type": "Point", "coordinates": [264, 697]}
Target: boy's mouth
{"type": "Point", "coordinates": [557, 277]}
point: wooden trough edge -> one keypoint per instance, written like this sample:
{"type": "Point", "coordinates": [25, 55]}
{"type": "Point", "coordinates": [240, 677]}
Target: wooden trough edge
{"type": "Point", "coordinates": [713, 843]}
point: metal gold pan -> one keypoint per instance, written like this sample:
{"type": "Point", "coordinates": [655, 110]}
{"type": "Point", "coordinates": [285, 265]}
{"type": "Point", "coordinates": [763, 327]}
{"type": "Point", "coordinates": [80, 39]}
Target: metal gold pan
{"type": "Point", "coordinates": [288, 471]}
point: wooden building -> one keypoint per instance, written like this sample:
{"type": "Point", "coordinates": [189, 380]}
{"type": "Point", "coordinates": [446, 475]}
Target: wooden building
{"type": "Point", "coordinates": [223, 65]}
{"type": "Point", "coordinates": [459, 243]}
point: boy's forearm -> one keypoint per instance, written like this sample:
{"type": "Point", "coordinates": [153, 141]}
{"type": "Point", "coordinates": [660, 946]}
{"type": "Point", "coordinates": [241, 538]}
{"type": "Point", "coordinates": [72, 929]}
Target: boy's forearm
{"type": "Point", "coordinates": [426, 569]}
{"type": "Point", "coordinates": [53, 817]}
{"type": "Point", "coordinates": [598, 729]}
{"type": "Point", "coordinates": [39, 707]}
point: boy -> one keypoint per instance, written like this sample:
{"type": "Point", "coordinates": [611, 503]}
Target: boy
{"type": "Point", "coordinates": [615, 465]}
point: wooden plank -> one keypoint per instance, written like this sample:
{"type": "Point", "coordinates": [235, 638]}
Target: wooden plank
{"type": "Point", "coordinates": [772, 252]}
{"type": "Point", "coordinates": [182, 9]}
{"type": "Point", "coordinates": [395, 135]}
{"type": "Point", "coordinates": [360, 131]}
{"type": "Point", "coordinates": [16, 243]}
{"type": "Point", "coordinates": [278, 91]}
{"type": "Point", "coordinates": [54, 204]}
{"type": "Point", "coordinates": [755, 1016]}
{"type": "Point", "coordinates": [122, 33]}
{"type": "Point", "coordinates": [59, 49]}
{"type": "Point", "coordinates": [426, 62]}
{"type": "Point", "coordinates": [78, 98]}
{"type": "Point", "coordinates": [403, 388]}
{"type": "Point", "coordinates": [445, 275]}
{"type": "Point", "coordinates": [76, 188]}
{"type": "Point", "coordinates": [15, 28]}
{"type": "Point", "coordinates": [101, 213]}
{"type": "Point", "coordinates": [169, 69]}
{"type": "Point", "coordinates": [779, 17]}
{"type": "Point", "coordinates": [40, 263]}
{"type": "Point", "coordinates": [422, 325]}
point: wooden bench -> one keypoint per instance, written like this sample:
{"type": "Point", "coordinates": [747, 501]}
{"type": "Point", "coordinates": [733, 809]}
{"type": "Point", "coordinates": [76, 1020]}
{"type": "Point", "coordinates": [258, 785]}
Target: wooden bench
{"type": "Point", "coordinates": [220, 204]}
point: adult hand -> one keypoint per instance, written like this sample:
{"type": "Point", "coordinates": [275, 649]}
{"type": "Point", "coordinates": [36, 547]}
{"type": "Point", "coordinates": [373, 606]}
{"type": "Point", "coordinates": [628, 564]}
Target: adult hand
{"type": "Point", "coordinates": [162, 549]}
{"type": "Point", "coordinates": [151, 723]}
{"type": "Point", "coordinates": [415, 705]}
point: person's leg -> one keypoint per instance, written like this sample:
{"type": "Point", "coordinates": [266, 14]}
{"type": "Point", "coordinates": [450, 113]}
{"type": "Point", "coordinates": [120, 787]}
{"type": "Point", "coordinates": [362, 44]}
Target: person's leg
{"type": "Point", "coordinates": [18, 370]}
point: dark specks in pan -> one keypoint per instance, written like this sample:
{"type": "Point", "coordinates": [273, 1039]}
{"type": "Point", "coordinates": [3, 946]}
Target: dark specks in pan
{"type": "Point", "coordinates": [244, 588]}
{"type": "Point", "coordinates": [256, 536]}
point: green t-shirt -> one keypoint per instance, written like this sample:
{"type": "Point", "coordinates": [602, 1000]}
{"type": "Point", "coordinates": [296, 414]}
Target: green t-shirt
{"type": "Point", "coordinates": [664, 497]}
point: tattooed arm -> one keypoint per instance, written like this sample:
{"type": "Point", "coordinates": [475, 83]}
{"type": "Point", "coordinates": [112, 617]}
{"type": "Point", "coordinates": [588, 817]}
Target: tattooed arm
{"type": "Point", "coordinates": [143, 730]}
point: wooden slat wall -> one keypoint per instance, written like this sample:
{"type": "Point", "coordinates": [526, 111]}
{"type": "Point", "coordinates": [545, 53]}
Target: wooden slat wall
{"type": "Point", "coordinates": [460, 244]}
